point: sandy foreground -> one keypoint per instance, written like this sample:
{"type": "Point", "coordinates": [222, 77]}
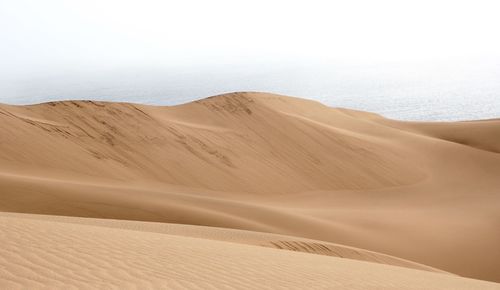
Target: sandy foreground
{"type": "Point", "coordinates": [245, 190]}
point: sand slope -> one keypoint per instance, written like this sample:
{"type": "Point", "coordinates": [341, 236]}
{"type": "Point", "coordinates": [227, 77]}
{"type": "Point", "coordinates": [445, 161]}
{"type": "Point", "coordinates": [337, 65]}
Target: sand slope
{"type": "Point", "coordinates": [267, 240]}
{"type": "Point", "coordinates": [232, 142]}
{"type": "Point", "coordinates": [425, 192]}
{"type": "Point", "coordinates": [49, 254]}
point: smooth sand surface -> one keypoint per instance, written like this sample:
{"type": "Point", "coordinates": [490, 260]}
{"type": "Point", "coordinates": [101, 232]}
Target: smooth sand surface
{"type": "Point", "coordinates": [329, 183]}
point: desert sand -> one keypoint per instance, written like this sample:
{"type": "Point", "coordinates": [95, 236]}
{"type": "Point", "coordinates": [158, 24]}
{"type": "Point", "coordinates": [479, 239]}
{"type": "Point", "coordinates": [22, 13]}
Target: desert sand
{"type": "Point", "coordinates": [245, 190]}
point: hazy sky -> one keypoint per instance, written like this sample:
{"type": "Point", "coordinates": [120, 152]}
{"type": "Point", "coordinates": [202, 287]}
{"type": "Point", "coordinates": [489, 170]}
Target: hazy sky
{"type": "Point", "coordinates": [70, 41]}
{"type": "Point", "coordinates": [41, 35]}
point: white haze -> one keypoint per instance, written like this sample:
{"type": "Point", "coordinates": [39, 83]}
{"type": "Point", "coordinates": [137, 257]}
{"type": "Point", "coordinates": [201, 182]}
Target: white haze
{"type": "Point", "coordinates": [435, 60]}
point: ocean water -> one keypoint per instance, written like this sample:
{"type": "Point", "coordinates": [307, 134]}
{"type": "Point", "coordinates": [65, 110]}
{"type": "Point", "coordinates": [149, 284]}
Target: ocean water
{"type": "Point", "coordinates": [422, 92]}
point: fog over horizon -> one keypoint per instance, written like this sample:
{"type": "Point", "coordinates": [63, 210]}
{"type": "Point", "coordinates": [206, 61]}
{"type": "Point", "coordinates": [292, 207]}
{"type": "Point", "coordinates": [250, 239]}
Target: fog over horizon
{"type": "Point", "coordinates": [425, 60]}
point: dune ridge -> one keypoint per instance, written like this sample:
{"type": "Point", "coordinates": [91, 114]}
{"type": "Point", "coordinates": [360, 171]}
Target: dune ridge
{"type": "Point", "coordinates": [48, 254]}
{"type": "Point", "coordinates": [54, 254]}
{"type": "Point", "coordinates": [420, 192]}
{"type": "Point", "coordinates": [261, 239]}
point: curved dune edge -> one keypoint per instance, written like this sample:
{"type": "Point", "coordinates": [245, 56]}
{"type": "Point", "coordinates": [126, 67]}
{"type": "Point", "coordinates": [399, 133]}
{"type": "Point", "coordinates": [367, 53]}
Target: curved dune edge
{"type": "Point", "coordinates": [267, 240]}
{"type": "Point", "coordinates": [423, 192]}
{"type": "Point", "coordinates": [47, 254]}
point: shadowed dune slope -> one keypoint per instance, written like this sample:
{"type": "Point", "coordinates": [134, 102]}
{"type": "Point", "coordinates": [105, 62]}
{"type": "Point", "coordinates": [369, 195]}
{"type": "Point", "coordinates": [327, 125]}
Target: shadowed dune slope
{"type": "Point", "coordinates": [424, 192]}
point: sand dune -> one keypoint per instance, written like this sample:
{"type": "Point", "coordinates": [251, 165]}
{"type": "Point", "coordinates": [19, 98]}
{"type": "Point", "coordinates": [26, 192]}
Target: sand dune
{"type": "Point", "coordinates": [267, 240]}
{"type": "Point", "coordinates": [49, 254]}
{"type": "Point", "coordinates": [351, 181]}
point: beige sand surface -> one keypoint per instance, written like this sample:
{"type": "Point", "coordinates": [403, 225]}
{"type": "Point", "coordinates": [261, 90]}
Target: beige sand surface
{"type": "Point", "coordinates": [47, 254]}
{"type": "Point", "coordinates": [268, 240]}
{"type": "Point", "coordinates": [422, 192]}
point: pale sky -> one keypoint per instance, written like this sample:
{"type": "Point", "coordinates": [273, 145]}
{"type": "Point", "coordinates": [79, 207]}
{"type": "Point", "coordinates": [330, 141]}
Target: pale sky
{"type": "Point", "coordinates": [169, 52]}
{"type": "Point", "coordinates": [41, 35]}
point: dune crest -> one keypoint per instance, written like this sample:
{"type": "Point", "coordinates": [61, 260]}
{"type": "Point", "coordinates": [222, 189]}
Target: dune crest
{"type": "Point", "coordinates": [229, 142]}
{"type": "Point", "coordinates": [331, 182]}
{"type": "Point", "coordinates": [48, 254]}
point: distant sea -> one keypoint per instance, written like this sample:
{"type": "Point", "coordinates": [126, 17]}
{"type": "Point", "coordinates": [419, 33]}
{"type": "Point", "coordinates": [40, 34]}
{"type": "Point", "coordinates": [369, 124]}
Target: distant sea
{"type": "Point", "coordinates": [420, 92]}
